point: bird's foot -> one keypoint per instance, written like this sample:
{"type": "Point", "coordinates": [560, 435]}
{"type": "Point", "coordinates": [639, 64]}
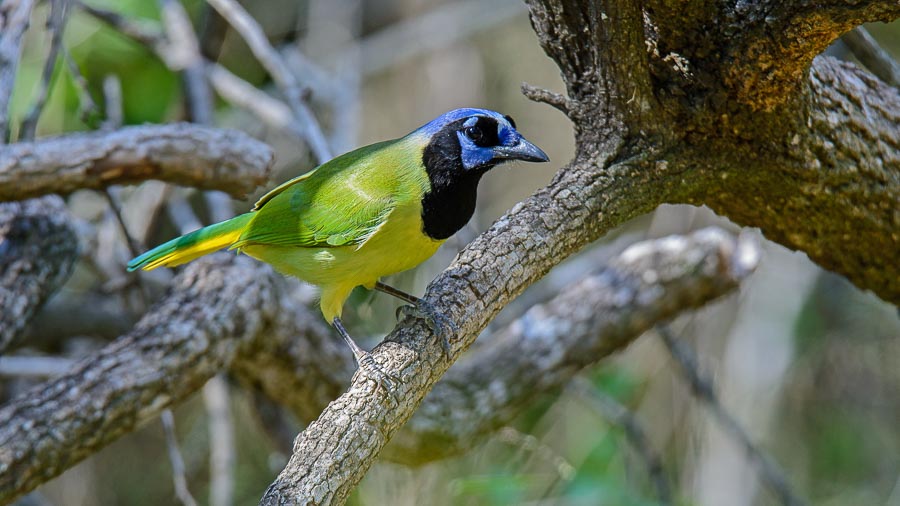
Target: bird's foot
{"type": "Point", "coordinates": [444, 328]}
{"type": "Point", "coordinates": [373, 371]}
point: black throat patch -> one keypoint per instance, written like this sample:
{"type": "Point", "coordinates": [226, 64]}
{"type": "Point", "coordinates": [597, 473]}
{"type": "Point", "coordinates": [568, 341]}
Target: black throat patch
{"type": "Point", "coordinates": [451, 202]}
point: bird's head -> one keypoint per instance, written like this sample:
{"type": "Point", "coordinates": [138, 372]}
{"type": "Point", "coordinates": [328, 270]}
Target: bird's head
{"type": "Point", "coordinates": [459, 147]}
{"type": "Point", "coordinates": [474, 141]}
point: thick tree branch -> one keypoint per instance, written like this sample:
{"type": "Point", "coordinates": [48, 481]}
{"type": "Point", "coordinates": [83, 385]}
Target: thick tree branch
{"type": "Point", "coordinates": [38, 247]}
{"type": "Point", "coordinates": [823, 178]}
{"type": "Point", "coordinates": [190, 155]}
{"type": "Point", "coordinates": [215, 306]}
{"type": "Point", "coordinates": [650, 282]}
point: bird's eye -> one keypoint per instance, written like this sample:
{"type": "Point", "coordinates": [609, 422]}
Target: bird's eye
{"type": "Point", "coordinates": [475, 133]}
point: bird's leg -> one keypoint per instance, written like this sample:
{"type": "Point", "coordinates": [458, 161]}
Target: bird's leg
{"type": "Point", "coordinates": [365, 361]}
{"type": "Point", "coordinates": [420, 308]}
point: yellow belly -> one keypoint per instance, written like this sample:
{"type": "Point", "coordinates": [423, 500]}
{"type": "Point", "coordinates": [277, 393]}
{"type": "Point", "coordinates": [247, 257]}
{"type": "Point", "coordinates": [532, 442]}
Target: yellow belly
{"type": "Point", "coordinates": [398, 245]}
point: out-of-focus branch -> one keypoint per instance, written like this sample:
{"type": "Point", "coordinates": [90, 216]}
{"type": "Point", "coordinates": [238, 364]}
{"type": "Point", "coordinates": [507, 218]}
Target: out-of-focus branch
{"type": "Point", "coordinates": [38, 246]}
{"type": "Point", "coordinates": [703, 389]}
{"type": "Point", "coordinates": [221, 441]}
{"type": "Point", "coordinates": [866, 49]}
{"type": "Point", "coordinates": [56, 24]}
{"type": "Point", "coordinates": [619, 415]}
{"type": "Point", "coordinates": [14, 16]}
{"type": "Point", "coordinates": [189, 155]}
{"type": "Point", "coordinates": [175, 458]}
{"type": "Point", "coordinates": [198, 96]}
{"type": "Point", "coordinates": [421, 34]}
{"type": "Point", "coordinates": [255, 37]}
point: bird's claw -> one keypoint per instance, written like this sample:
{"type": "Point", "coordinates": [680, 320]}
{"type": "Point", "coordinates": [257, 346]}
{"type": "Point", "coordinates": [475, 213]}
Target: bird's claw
{"type": "Point", "coordinates": [374, 372]}
{"type": "Point", "coordinates": [442, 326]}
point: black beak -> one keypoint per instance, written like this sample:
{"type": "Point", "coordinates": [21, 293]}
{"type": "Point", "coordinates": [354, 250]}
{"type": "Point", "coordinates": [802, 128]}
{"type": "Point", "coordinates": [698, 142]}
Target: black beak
{"type": "Point", "coordinates": [523, 150]}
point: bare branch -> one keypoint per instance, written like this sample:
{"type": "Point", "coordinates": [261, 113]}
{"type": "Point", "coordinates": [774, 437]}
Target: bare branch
{"type": "Point", "coordinates": [270, 59]}
{"type": "Point", "coordinates": [38, 247]}
{"type": "Point", "coordinates": [702, 388]}
{"type": "Point", "coordinates": [181, 488]}
{"type": "Point", "coordinates": [14, 16]}
{"type": "Point", "coordinates": [866, 49]}
{"type": "Point", "coordinates": [221, 441]}
{"type": "Point", "coordinates": [617, 414]}
{"type": "Point", "coordinates": [56, 25]}
{"type": "Point", "coordinates": [184, 154]}
{"type": "Point", "coordinates": [421, 34]}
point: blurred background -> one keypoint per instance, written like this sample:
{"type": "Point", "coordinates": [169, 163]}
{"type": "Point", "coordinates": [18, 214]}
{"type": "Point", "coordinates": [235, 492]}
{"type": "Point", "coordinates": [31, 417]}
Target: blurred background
{"type": "Point", "coordinates": [807, 363]}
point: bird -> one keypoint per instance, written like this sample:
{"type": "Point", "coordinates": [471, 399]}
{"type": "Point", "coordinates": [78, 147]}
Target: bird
{"type": "Point", "coordinates": [367, 214]}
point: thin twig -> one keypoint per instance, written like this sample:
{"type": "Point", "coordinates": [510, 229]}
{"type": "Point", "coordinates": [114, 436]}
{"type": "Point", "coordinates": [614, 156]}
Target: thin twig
{"type": "Point", "coordinates": [142, 34]}
{"type": "Point", "coordinates": [617, 414]}
{"type": "Point", "coordinates": [181, 488]}
{"type": "Point", "coordinates": [14, 16]}
{"type": "Point", "coordinates": [89, 109]}
{"type": "Point", "coordinates": [187, 59]}
{"type": "Point", "coordinates": [866, 49]}
{"type": "Point", "coordinates": [56, 26]}
{"type": "Point", "coordinates": [428, 32]}
{"type": "Point", "coordinates": [510, 435]}
{"type": "Point", "coordinates": [702, 387]}
{"type": "Point", "coordinates": [221, 441]}
{"type": "Point", "coordinates": [271, 60]}
{"type": "Point", "coordinates": [112, 102]}
{"type": "Point", "coordinates": [548, 97]}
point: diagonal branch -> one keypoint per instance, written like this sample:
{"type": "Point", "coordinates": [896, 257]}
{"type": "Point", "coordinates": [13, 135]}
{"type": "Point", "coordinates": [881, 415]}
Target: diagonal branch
{"type": "Point", "coordinates": [190, 155]}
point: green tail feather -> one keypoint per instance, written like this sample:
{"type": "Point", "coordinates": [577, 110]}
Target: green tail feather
{"type": "Point", "coordinates": [193, 245]}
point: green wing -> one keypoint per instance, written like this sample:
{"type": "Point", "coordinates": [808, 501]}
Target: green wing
{"type": "Point", "coordinates": [343, 202]}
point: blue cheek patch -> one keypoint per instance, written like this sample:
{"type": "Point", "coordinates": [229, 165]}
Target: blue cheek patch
{"type": "Point", "coordinates": [507, 136]}
{"type": "Point", "coordinates": [473, 156]}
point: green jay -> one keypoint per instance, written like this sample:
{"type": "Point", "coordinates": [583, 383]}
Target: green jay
{"type": "Point", "coordinates": [375, 211]}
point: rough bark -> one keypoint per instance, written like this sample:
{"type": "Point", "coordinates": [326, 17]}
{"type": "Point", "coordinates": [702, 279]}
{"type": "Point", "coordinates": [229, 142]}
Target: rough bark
{"type": "Point", "coordinates": [38, 247]}
{"type": "Point", "coordinates": [185, 154]}
{"type": "Point", "coordinates": [227, 312]}
{"type": "Point", "coordinates": [214, 307]}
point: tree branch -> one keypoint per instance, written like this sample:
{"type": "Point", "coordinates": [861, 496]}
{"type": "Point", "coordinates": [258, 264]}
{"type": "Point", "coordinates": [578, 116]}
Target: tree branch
{"type": "Point", "coordinates": [190, 155]}
{"type": "Point", "coordinates": [38, 246]}
{"type": "Point", "coordinates": [215, 306]}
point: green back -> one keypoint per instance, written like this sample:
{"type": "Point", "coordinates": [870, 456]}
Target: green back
{"type": "Point", "coordinates": [343, 201]}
